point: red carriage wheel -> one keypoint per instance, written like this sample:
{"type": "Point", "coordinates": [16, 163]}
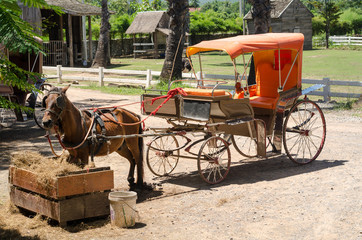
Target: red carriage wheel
{"type": "Point", "coordinates": [304, 132]}
{"type": "Point", "coordinates": [214, 160]}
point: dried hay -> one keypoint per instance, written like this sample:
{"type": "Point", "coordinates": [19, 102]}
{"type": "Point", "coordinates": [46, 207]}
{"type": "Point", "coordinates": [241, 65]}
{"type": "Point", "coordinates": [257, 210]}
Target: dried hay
{"type": "Point", "coordinates": [44, 167]}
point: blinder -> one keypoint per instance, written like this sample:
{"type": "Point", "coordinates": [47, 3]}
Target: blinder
{"type": "Point", "coordinates": [43, 104]}
{"type": "Point", "coordinates": [60, 102]}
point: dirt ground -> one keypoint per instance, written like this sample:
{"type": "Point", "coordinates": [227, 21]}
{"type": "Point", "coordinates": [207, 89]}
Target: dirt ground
{"type": "Point", "coordinates": [260, 199]}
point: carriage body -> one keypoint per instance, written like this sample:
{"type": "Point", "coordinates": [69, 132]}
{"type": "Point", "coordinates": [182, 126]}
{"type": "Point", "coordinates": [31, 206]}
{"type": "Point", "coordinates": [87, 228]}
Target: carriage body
{"type": "Point", "coordinates": [263, 106]}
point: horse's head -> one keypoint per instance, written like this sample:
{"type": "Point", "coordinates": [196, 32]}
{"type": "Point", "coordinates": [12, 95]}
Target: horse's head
{"type": "Point", "coordinates": [54, 103]}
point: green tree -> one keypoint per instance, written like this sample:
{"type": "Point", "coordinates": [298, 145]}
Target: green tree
{"type": "Point", "coordinates": [330, 13]}
{"type": "Point", "coordinates": [16, 35]}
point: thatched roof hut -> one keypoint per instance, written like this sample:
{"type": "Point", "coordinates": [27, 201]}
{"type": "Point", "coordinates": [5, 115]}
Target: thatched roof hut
{"type": "Point", "coordinates": [149, 22]}
{"type": "Point", "coordinates": [75, 8]}
{"type": "Point", "coordinates": [288, 16]}
{"type": "Point", "coordinates": [154, 23]}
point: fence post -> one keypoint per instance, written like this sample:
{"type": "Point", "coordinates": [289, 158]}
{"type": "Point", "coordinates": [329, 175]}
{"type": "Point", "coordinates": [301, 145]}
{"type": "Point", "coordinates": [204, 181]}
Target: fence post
{"type": "Point", "coordinates": [148, 78]}
{"type": "Point", "coordinates": [326, 90]}
{"type": "Point", "coordinates": [101, 76]}
{"type": "Point", "coordinates": [59, 73]}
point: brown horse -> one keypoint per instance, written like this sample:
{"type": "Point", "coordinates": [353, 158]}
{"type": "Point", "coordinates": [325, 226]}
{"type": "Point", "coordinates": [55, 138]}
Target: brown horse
{"type": "Point", "coordinates": [75, 126]}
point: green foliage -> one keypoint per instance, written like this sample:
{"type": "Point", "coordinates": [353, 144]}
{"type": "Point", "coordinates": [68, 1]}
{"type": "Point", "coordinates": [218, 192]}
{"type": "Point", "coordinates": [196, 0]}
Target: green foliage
{"type": "Point", "coordinates": [317, 25]}
{"type": "Point", "coordinates": [17, 36]}
{"type": "Point", "coordinates": [195, 3]}
{"type": "Point", "coordinates": [119, 25]}
{"type": "Point", "coordinates": [213, 22]}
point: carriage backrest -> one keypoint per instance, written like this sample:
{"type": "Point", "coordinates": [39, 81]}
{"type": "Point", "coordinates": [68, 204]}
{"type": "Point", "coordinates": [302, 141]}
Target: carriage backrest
{"type": "Point", "coordinates": [267, 72]}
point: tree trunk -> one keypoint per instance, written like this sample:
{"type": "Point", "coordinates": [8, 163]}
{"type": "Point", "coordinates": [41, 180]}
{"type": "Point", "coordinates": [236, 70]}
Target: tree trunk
{"type": "Point", "coordinates": [172, 67]}
{"type": "Point", "coordinates": [327, 34]}
{"type": "Point", "coordinates": [102, 58]}
{"type": "Point", "coordinates": [261, 15]}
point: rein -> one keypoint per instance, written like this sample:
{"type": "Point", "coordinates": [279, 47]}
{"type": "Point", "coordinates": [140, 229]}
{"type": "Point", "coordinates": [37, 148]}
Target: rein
{"type": "Point", "coordinates": [169, 95]}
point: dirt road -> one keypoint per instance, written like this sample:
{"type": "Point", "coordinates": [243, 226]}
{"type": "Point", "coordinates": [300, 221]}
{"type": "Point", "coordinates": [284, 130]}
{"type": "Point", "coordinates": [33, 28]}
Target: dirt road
{"type": "Point", "coordinates": [260, 199]}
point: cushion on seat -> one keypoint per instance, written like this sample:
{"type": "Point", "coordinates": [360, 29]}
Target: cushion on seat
{"type": "Point", "coordinates": [204, 92]}
{"type": "Point", "coordinates": [263, 102]}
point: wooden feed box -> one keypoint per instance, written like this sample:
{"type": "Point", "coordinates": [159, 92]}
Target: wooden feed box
{"type": "Point", "coordinates": [79, 195]}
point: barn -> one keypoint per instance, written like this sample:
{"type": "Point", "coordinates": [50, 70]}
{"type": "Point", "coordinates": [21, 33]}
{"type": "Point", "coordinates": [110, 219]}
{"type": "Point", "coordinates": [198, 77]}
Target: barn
{"type": "Point", "coordinates": [288, 16]}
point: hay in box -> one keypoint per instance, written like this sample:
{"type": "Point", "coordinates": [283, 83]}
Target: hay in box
{"type": "Point", "coordinates": [57, 189]}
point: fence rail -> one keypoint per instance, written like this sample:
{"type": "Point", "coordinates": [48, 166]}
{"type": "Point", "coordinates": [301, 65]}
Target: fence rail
{"type": "Point", "coordinates": [147, 80]}
{"type": "Point", "coordinates": [338, 40]}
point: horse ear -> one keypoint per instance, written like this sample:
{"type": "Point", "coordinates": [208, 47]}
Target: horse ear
{"type": "Point", "coordinates": [64, 89]}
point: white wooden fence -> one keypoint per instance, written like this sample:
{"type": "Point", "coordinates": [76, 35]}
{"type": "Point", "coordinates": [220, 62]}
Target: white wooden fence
{"type": "Point", "coordinates": [338, 40]}
{"type": "Point", "coordinates": [345, 40]}
{"type": "Point", "coordinates": [147, 81]}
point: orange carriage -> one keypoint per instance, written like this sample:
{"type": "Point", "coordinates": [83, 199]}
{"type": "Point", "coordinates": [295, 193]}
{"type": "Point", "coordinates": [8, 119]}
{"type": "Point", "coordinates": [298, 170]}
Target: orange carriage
{"type": "Point", "coordinates": [263, 109]}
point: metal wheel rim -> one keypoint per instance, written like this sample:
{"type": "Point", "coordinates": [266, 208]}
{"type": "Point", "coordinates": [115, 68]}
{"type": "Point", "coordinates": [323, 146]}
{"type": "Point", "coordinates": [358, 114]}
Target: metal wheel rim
{"type": "Point", "coordinates": [39, 110]}
{"type": "Point", "coordinates": [161, 165]}
{"type": "Point", "coordinates": [214, 172]}
{"type": "Point", "coordinates": [247, 147]}
{"type": "Point", "coordinates": [304, 132]}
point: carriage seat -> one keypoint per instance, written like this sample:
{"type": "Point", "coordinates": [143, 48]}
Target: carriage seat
{"type": "Point", "coordinates": [267, 81]}
{"type": "Point", "coordinates": [206, 92]}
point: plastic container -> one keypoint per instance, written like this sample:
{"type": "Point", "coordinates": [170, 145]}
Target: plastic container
{"type": "Point", "coordinates": [123, 208]}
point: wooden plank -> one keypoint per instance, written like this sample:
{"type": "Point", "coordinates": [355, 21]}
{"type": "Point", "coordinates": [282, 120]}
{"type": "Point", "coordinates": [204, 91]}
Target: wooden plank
{"type": "Point", "coordinates": [85, 183]}
{"type": "Point", "coordinates": [63, 186]}
{"type": "Point", "coordinates": [35, 203]}
{"type": "Point", "coordinates": [79, 207]}
{"type": "Point", "coordinates": [29, 181]}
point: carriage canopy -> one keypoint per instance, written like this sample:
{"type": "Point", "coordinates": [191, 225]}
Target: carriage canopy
{"type": "Point", "coordinates": [235, 46]}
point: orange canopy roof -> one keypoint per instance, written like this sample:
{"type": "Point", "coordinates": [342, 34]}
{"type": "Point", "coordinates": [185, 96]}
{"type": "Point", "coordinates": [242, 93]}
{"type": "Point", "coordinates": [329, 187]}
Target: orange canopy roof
{"type": "Point", "coordinates": [238, 45]}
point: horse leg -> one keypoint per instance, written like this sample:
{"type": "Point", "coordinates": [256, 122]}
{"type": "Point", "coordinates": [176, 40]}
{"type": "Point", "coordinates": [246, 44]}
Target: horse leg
{"type": "Point", "coordinates": [126, 153]}
{"type": "Point", "coordinates": [135, 147]}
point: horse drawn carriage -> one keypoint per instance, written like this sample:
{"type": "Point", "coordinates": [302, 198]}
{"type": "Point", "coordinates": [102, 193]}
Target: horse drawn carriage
{"type": "Point", "coordinates": [265, 109]}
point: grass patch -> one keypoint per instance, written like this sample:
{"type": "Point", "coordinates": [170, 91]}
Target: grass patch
{"type": "Point", "coordinates": [120, 90]}
{"type": "Point", "coordinates": [334, 64]}
{"type": "Point", "coordinates": [344, 105]}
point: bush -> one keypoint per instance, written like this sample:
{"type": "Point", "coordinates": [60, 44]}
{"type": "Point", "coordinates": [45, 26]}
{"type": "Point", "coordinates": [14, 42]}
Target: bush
{"type": "Point", "coordinates": [341, 28]}
{"type": "Point", "coordinates": [357, 26]}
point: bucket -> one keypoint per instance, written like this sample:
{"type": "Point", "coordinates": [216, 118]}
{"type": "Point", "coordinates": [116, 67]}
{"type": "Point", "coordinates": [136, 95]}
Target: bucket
{"type": "Point", "coordinates": [122, 207]}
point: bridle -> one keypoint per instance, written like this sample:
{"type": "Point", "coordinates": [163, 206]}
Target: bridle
{"type": "Point", "coordinates": [59, 102]}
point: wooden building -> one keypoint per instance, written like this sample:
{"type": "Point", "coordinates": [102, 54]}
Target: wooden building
{"type": "Point", "coordinates": [67, 45]}
{"type": "Point", "coordinates": [288, 16]}
{"type": "Point", "coordinates": [154, 24]}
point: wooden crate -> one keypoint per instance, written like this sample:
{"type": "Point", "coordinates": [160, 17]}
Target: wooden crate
{"type": "Point", "coordinates": [79, 195]}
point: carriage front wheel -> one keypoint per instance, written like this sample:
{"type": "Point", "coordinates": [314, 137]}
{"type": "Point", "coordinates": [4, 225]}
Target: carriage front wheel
{"type": "Point", "coordinates": [304, 132]}
{"type": "Point", "coordinates": [162, 155]}
{"type": "Point", "coordinates": [213, 160]}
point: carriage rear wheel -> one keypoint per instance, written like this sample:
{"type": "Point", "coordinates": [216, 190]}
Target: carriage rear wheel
{"type": "Point", "coordinates": [213, 160]}
{"type": "Point", "coordinates": [162, 158]}
{"type": "Point", "coordinates": [246, 146]}
{"type": "Point", "coordinates": [304, 132]}
{"type": "Point", "coordinates": [38, 108]}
